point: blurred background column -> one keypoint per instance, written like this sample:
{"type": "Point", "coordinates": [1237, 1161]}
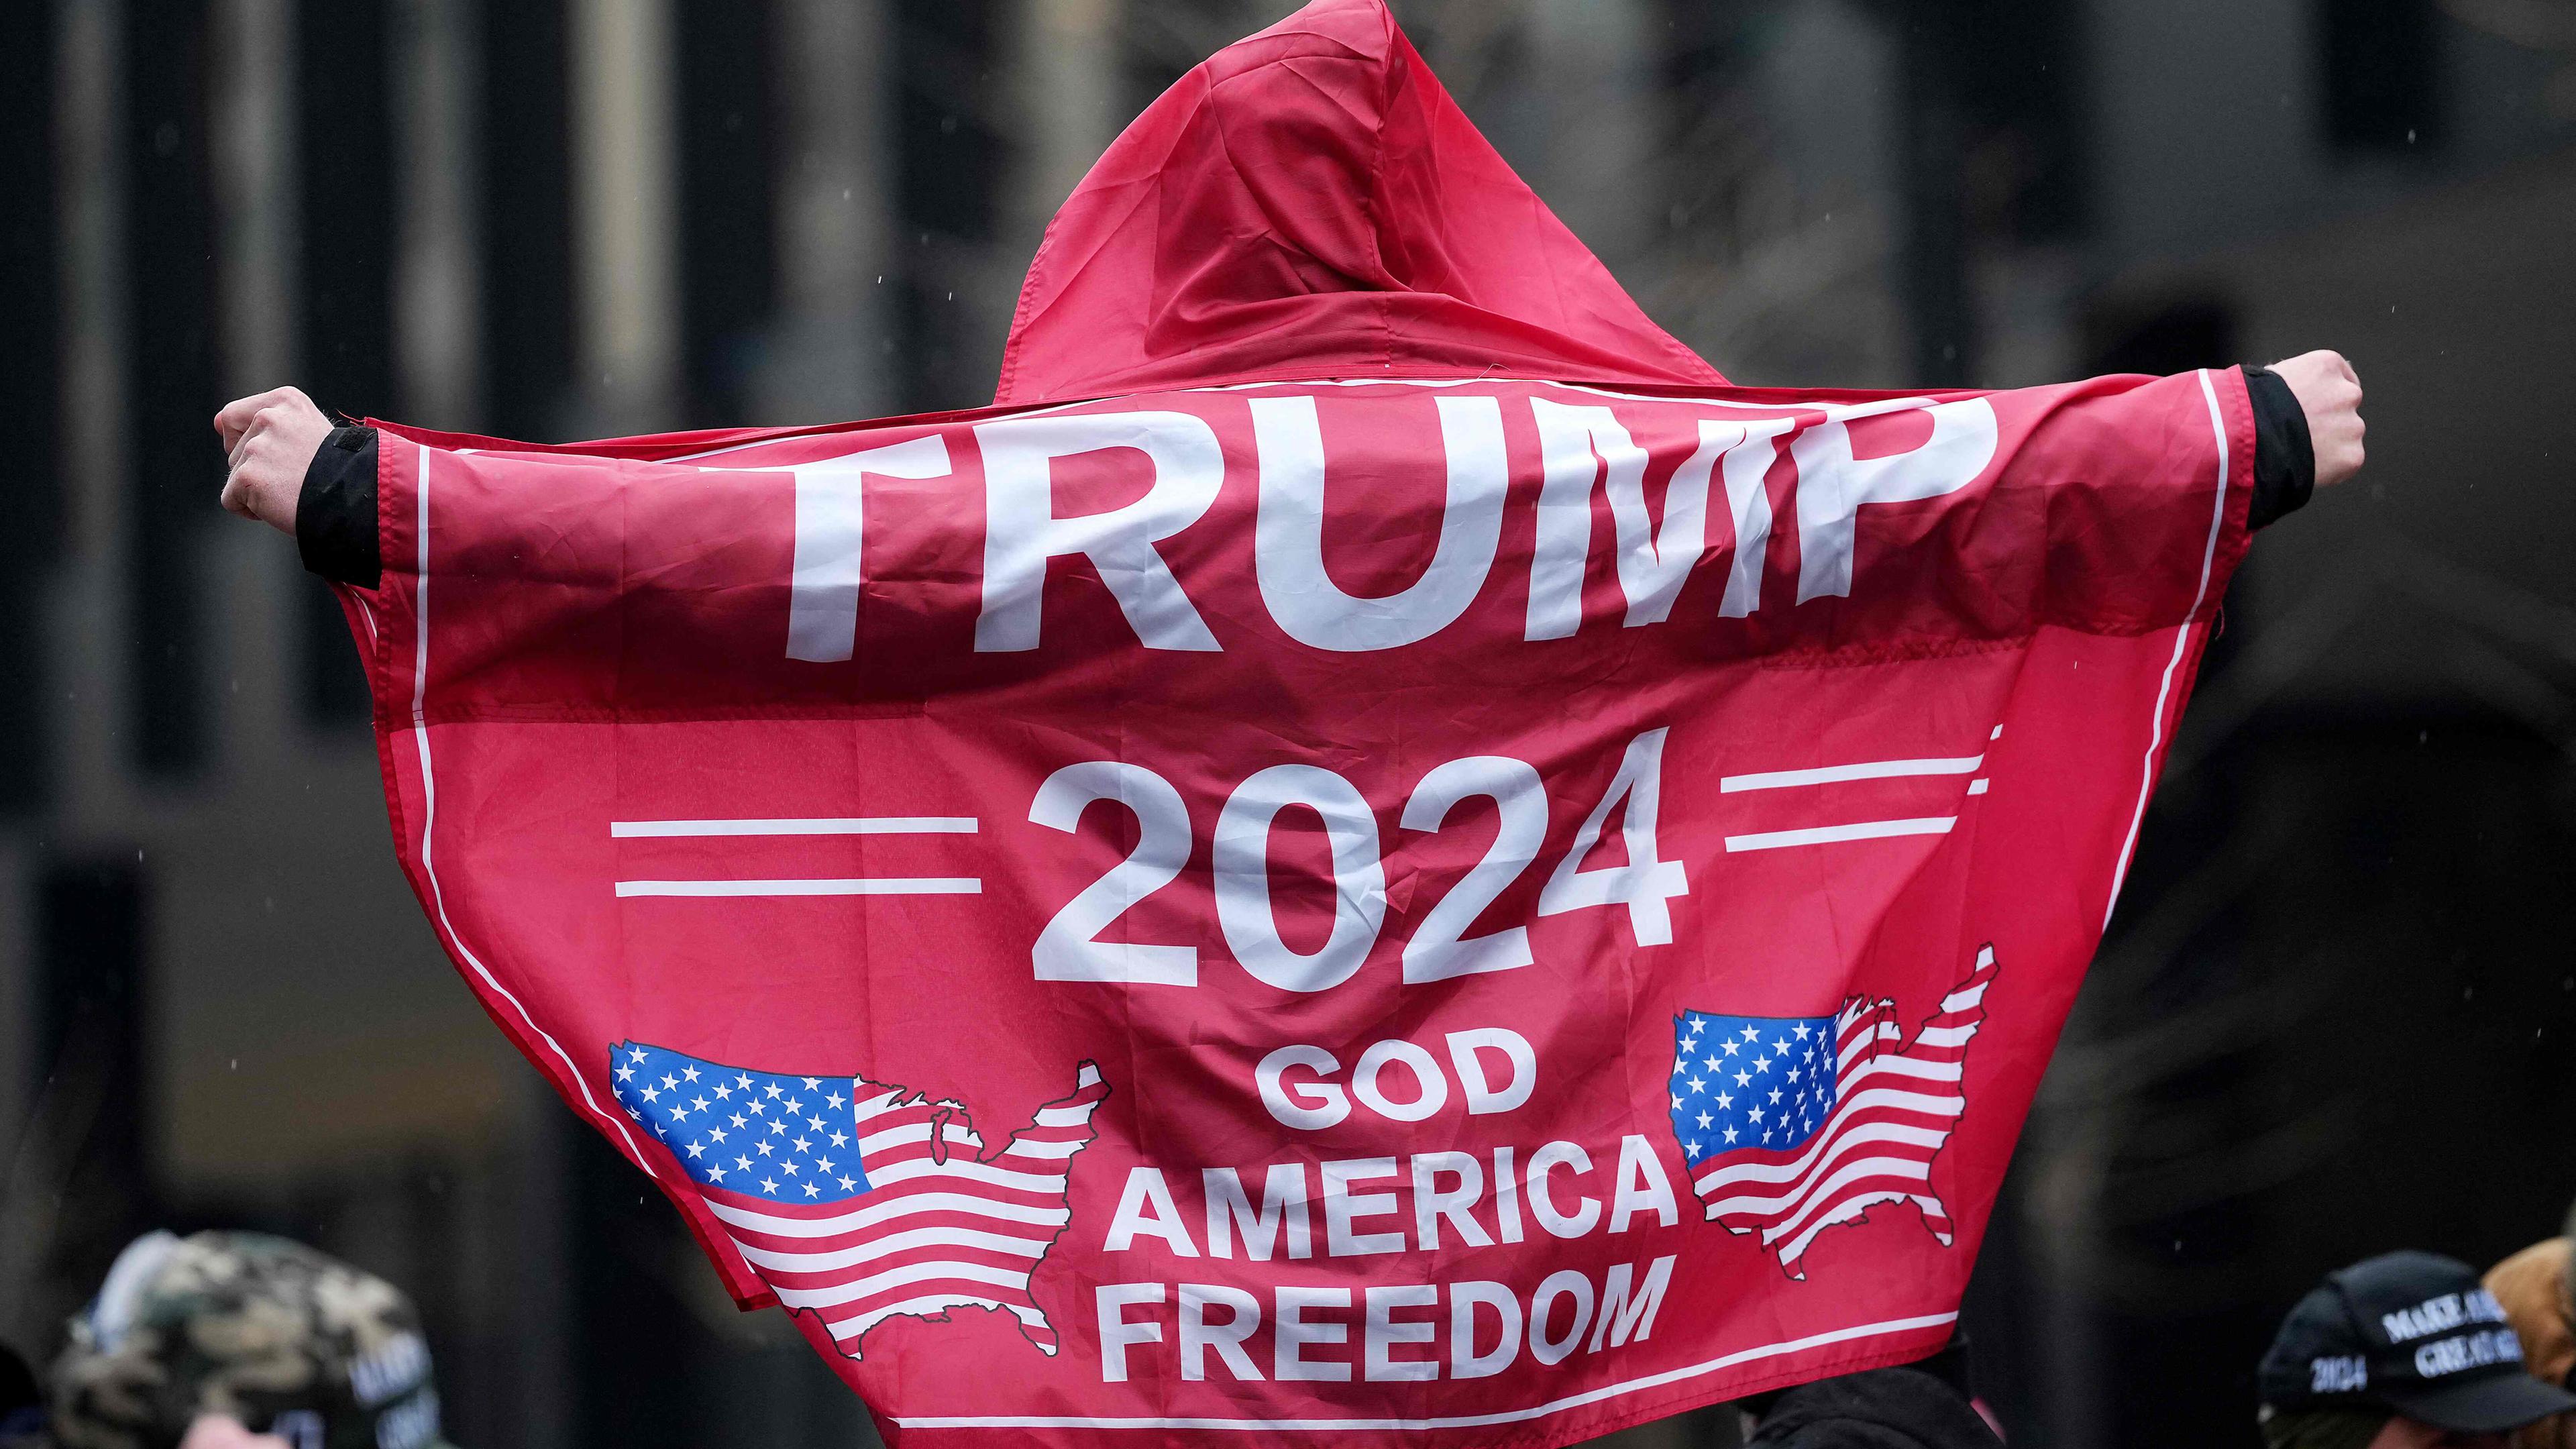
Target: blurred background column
{"type": "Point", "coordinates": [1588, 123]}
{"type": "Point", "coordinates": [626, 235]}
{"type": "Point", "coordinates": [436, 283]}
{"type": "Point", "coordinates": [1071, 97]}
{"type": "Point", "coordinates": [830, 345]}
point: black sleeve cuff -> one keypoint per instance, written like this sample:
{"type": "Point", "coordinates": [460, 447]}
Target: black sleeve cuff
{"type": "Point", "coordinates": [2285, 462]}
{"type": "Point", "coordinates": [335, 515]}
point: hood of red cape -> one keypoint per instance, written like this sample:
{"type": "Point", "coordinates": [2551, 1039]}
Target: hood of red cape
{"type": "Point", "coordinates": [1310, 203]}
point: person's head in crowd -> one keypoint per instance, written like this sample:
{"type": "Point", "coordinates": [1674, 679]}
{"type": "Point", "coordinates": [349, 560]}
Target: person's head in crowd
{"type": "Point", "coordinates": [231, 1340]}
{"type": "Point", "coordinates": [2537, 1287]}
{"type": "Point", "coordinates": [2402, 1351]}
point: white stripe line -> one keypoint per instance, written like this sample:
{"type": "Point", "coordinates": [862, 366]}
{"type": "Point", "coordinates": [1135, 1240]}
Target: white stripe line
{"type": "Point", "coordinates": [1783, 1173]}
{"type": "Point", "coordinates": [813, 825]}
{"type": "Point", "coordinates": [903, 1242]}
{"type": "Point", "coordinates": [924, 1202]}
{"type": "Point", "coordinates": [429, 818]}
{"type": "Point", "coordinates": [934, 1271]}
{"type": "Point", "coordinates": [956, 1171]}
{"type": "Point", "coordinates": [849, 1328]}
{"type": "Point", "coordinates": [1852, 1207]}
{"type": "Point", "coordinates": [1978, 786]}
{"type": "Point", "coordinates": [2182, 639]}
{"type": "Point", "coordinates": [1066, 1148]}
{"type": "Point", "coordinates": [1456, 1421]}
{"type": "Point", "coordinates": [1829, 834]}
{"type": "Point", "coordinates": [1865, 770]}
{"type": "Point", "coordinates": [864, 886]}
{"type": "Point", "coordinates": [1817, 1196]}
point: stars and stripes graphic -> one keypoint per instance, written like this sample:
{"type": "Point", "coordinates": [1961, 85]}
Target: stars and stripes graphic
{"type": "Point", "coordinates": [1791, 1125]}
{"type": "Point", "coordinates": [862, 1200]}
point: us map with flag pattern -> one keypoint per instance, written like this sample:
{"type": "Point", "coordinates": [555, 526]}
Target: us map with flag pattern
{"type": "Point", "coordinates": [862, 1201]}
{"type": "Point", "coordinates": [1792, 1125]}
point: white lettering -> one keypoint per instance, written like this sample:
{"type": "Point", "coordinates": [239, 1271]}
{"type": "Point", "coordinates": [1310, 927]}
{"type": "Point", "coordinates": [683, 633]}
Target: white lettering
{"type": "Point", "coordinates": [1431, 1203]}
{"type": "Point", "coordinates": [1647, 881]}
{"type": "Point", "coordinates": [1068, 948]}
{"type": "Point", "coordinates": [1384, 1331]}
{"type": "Point", "coordinates": [1146, 1210]}
{"type": "Point", "coordinates": [1242, 869]}
{"type": "Point", "coordinates": [1579, 445]}
{"type": "Point", "coordinates": [1117, 1335]}
{"type": "Point", "coordinates": [1283, 1201]}
{"type": "Point", "coordinates": [1440, 947]}
{"type": "Point", "coordinates": [1543, 1206]}
{"type": "Point", "coordinates": [2433, 1315]}
{"type": "Point", "coordinates": [1464, 1299]}
{"type": "Point", "coordinates": [1288, 535]}
{"type": "Point", "coordinates": [1432, 1089]}
{"type": "Point", "coordinates": [1342, 1207]}
{"type": "Point", "coordinates": [1294, 1332]}
{"type": "Point", "coordinates": [2340, 1374]}
{"type": "Point", "coordinates": [1833, 485]}
{"type": "Point", "coordinates": [1483, 1097]}
{"type": "Point", "coordinates": [1198, 1335]}
{"type": "Point", "coordinates": [1749, 450]}
{"type": "Point", "coordinates": [1642, 1186]}
{"type": "Point", "coordinates": [823, 585]}
{"type": "Point", "coordinates": [1637, 1317]}
{"type": "Point", "coordinates": [1400, 1324]}
{"type": "Point", "coordinates": [1565, 1283]}
{"type": "Point", "coordinates": [1319, 1104]}
{"type": "Point", "coordinates": [2467, 1351]}
{"type": "Point", "coordinates": [1022, 531]}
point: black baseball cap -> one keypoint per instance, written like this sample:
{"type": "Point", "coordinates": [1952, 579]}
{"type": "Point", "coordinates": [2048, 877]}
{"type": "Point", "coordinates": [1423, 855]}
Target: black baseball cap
{"type": "Point", "coordinates": [2406, 1333]}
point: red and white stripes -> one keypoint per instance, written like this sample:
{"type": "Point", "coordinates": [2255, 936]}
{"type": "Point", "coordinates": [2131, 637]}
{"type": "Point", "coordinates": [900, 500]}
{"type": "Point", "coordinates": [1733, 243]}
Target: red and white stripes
{"type": "Point", "coordinates": [944, 1223]}
{"type": "Point", "coordinates": [1894, 1106]}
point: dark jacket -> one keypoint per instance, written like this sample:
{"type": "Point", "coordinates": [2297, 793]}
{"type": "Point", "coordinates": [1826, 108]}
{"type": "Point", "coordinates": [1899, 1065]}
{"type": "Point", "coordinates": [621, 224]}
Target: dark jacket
{"type": "Point", "coordinates": [1915, 1406]}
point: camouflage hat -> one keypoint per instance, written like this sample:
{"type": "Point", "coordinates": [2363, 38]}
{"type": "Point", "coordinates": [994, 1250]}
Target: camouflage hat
{"type": "Point", "coordinates": [280, 1337]}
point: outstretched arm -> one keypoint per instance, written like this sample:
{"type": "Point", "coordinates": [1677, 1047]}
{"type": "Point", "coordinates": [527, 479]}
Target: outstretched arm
{"type": "Point", "coordinates": [275, 442]}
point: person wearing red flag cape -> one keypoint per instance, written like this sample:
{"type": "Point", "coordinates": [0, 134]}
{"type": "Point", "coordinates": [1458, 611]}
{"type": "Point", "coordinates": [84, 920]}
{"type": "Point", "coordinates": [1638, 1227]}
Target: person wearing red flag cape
{"type": "Point", "coordinates": [1371, 853]}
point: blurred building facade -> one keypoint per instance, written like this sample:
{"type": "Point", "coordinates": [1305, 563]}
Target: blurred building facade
{"type": "Point", "coordinates": [2334, 1016]}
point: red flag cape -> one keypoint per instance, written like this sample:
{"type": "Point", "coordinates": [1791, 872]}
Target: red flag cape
{"type": "Point", "coordinates": [1372, 853]}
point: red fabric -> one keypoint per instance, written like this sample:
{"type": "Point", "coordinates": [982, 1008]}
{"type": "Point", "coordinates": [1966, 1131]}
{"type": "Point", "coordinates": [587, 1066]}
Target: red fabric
{"type": "Point", "coordinates": [1374, 684]}
{"type": "Point", "coordinates": [1310, 203]}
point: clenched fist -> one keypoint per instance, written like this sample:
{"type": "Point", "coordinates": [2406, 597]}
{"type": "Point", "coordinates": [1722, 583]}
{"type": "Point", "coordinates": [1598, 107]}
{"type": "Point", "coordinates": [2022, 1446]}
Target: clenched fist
{"type": "Point", "coordinates": [2330, 394]}
{"type": "Point", "coordinates": [269, 440]}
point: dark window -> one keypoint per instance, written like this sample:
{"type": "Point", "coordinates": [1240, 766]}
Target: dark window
{"type": "Point", "coordinates": [2381, 77]}
{"type": "Point", "coordinates": [93, 1075]}
{"type": "Point", "coordinates": [950, 153]}
{"type": "Point", "coordinates": [526, 217]}
{"type": "Point", "coordinates": [170, 376]}
{"type": "Point", "coordinates": [951, 149]}
{"type": "Point", "coordinates": [1992, 154]}
{"type": "Point", "coordinates": [346, 257]}
{"type": "Point", "coordinates": [2159, 340]}
{"type": "Point", "coordinates": [31, 380]}
{"type": "Point", "coordinates": [727, 200]}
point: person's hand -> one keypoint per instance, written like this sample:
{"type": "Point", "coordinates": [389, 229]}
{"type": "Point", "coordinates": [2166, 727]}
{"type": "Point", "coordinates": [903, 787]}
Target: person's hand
{"type": "Point", "coordinates": [269, 440]}
{"type": "Point", "coordinates": [2330, 394]}
{"type": "Point", "coordinates": [221, 1431]}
